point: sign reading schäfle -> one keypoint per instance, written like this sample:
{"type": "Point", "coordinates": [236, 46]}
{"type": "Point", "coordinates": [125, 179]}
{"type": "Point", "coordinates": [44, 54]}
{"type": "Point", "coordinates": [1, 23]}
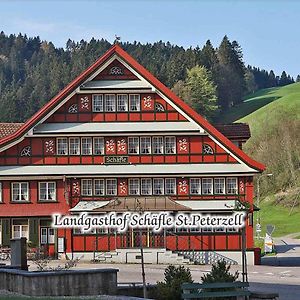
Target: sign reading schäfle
{"type": "Point", "coordinates": [116, 160]}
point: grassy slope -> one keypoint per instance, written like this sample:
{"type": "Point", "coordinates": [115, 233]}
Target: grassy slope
{"type": "Point", "coordinates": [270, 105]}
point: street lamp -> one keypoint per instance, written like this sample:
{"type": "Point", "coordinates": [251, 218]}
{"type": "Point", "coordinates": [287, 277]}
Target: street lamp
{"type": "Point", "coordinates": [258, 199]}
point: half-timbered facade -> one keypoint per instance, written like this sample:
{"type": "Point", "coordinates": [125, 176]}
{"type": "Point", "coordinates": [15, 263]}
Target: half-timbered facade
{"type": "Point", "coordinates": [115, 137]}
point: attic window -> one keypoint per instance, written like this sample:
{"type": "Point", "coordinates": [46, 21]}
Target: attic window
{"type": "Point", "coordinates": [159, 107]}
{"type": "Point", "coordinates": [207, 149]}
{"type": "Point", "coordinates": [116, 71]}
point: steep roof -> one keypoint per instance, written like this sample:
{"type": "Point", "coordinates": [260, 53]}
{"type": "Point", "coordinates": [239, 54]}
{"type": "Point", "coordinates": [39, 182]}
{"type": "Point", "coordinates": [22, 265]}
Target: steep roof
{"type": "Point", "coordinates": [7, 129]}
{"type": "Point", "coordinates": [116, 49]}
{"type": "Point", "coordinates": [235, 130]}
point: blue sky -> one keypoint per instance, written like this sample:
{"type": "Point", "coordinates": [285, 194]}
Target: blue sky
{"type": "Point", "coordinates": [268, 31]}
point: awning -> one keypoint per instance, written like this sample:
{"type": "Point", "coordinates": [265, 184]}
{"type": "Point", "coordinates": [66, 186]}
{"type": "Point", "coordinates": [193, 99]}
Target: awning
{"type": "Point", "coordinates": [115, 127]}
{"type": "Point", "coordinates": [153, 204]}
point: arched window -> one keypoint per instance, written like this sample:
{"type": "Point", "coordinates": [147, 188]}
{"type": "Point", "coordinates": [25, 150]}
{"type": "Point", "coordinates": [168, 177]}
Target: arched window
{"type": "Point", "coordinates": [159, 107]}
{"type": "Point", "coordinates": [207, 149]}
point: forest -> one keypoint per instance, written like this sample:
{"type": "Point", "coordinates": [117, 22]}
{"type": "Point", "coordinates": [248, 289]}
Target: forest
{"type": "Point", "coordinates": [212, 79]}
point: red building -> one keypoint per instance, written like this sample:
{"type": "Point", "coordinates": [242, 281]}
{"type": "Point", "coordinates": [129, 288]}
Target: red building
{"type": "Point", "coordinates": [113, 137]}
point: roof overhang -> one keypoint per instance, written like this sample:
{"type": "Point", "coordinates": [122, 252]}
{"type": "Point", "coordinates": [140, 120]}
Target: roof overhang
{"type": "Point", "coordinates": [206, 169]}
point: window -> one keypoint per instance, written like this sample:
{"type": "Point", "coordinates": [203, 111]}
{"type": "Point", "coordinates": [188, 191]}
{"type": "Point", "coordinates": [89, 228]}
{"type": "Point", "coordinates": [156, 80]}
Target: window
{"type": "Point", "coordinates": [134, 102]}
{"type": "Point", "coordinates": [99, 187]}
{"type": "Point", "coordinates": [99, 146]}
{"type": "Point", "coordinates": [97, 103]}
{"type": "Point", "coordinates": [146, 186]}
{"type": "Point", "coordinates": [86, 187]}
{"type": "Point", "coordinates": [20, 191]}
{"type": "Point", "coordinates": [158, 144]}
{"type": "Point", "coordinates": [122, 103]}
{"type": "Point", "coordinates": [170, 145]}
{"type": "Point", "coordinates": [207, 149]}
{"type": "Point", "coordinates": [231, 185]}
{"type": "Point", "coordinates": [145, 145]}
{"type": "Point", "coordinates": [110, 103]}
{"type": "Point", "coordinates": [219, 186]}
{"type": "Point", "coordinates": [133, 145]}
{"type": "Point", "coordinates": [47, 235]}
{"type": "Point", "coordinates": [62, 146]}
{"type": "Point", "coordinates": [0, 200]}
{"type": "Point", "coordinates": [170, 186]}
{"type": "Point", "coordinates": [20, 228]}
{"type": "Point", "coordinates": [195, 186]}
{"type": "Point", "coordinates": [134, 186]}
{"type": "Point", "coordinates": [207, 186]}
{"type": "Point", "coordinates": [86, 146]}
{"type": "Point", "coordinates": [47, 191]}
{"type": "Point", "coordinates": [74, 144]}
{"type": "Point", "coordinates": [111, 187]}
{"type": "Point", "coordinates": [158, 186]}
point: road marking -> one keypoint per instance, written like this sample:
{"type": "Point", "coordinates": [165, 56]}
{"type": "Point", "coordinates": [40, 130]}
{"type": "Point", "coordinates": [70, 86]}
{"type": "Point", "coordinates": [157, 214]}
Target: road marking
{"type": "Point", "coordinates": [285, 272]}
{"type": "Point", "coordinates": [269, 273]}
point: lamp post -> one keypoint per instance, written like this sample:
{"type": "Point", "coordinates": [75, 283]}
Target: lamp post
{"type": "Point", "coordinates": [258, 199]}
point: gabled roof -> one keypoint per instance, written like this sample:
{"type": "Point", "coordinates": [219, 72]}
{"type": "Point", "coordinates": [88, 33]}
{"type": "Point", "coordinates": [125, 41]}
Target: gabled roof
{"type": "Point", "coordinates": [235, 130]}
{"type": "Point", "coordinates": [116, 49]}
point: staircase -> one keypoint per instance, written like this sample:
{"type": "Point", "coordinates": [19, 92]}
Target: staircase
{"type": "Point", "coordinates": [205, 257]}
{"type": "Point", "coordinates": [132, 255]}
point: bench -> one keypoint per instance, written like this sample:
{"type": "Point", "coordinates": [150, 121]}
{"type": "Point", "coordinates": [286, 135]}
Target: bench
{"type": "Point", "coordinates": [213, 290]}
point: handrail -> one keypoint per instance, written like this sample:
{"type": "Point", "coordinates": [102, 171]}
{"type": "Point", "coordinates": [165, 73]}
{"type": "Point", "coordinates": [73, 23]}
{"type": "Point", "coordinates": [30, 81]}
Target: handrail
{"type": "Point", "coordinates": [95, 245]}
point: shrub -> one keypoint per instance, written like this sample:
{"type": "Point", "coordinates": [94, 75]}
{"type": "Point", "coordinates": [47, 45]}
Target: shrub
{"type": "Point", "coordinates": [170, 288]}
{"type": "Point", "coordinates": [220, 272]}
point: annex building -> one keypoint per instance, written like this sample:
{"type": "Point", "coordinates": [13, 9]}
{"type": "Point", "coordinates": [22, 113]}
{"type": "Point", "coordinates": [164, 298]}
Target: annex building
{"type": "Point", "coordinates": [115, 138]}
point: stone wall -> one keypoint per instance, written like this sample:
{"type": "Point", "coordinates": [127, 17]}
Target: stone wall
{"type": "Point", "coordinates": [60, 283]}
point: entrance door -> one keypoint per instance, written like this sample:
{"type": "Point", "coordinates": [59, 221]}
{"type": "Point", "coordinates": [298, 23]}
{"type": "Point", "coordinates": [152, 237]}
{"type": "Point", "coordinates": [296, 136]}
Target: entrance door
{"type": "Point", "coordinates": [137, 237]}
{"type": "Point", "coordinates": [47, 240]}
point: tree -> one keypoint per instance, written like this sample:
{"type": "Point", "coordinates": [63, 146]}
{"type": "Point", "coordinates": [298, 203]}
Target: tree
{"type": "Point", "coordinates": [284, 80]}
{"type": "Point", "coordinates": [199, 91]}
{"type": "Point", "coordinates": [251, 85]}
{"type": "Point", "coordinates": [298, 78]}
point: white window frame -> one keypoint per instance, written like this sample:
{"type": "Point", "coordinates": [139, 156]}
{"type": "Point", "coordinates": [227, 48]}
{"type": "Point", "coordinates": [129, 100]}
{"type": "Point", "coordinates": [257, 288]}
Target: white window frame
{"type": "Point", "coordinates": [86, 146]}
{"type": "Point", "coordinates": [146, 186]}
{"type": "Point", "coordinates": [74, 144]}
{"type": "Point", "coordinates": [170, 145]}
{"type": "Point", "coordinates": [158, 144]}
{"type": "Point", "coordinates": [133, 186]}
{"type": "Point", "coordinates": [19, 188]}
{"type": "Point", "coordinates": [156, 183]}
{"type": "Point", "coordinates": [1, 200]}
{"type": "Point", "coordinates": [22, 228]}
{"type": "Point", "coordinates": [113, 189]}
{"type": "Point", "coordinates": [134, 102]}
{"type": "Point", "coordinates": [236, 186]}
{"type": "Point", "coordinates": [97, 146]}
{"type": "Point", "coordinates": [98, 103]}
{"type": "Point", "coordinates": [110, 102]}
{"type": "Point", "coordinates": [122, 102]}
{"type": "Point", "coordinates": [86, 187]}
{"type": "Point", "coordinates": [47, 190]}
{"type": "Point", "coordinates": [198, 187]}
{"type": "Point", "coordinates": [133, 145]}
{"type": "Point", "coordinates": [170, 182]}
{"type": "Point", "coordinates": [48, 237]}
{"type": "Point", "coordinates": [145, 142]}
{"type": "Point", "coordinates": [65, 148]}
{"type": "Point", "coordinates": [204, 183]}
{"type": "Point", "coordinates": [216, 185]}
{"type": "Point", "coordinates": [99, 185]}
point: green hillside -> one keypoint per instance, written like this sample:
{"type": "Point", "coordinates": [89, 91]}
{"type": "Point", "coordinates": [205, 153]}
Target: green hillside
{"type": "Point", "coordinates": [274, 118]}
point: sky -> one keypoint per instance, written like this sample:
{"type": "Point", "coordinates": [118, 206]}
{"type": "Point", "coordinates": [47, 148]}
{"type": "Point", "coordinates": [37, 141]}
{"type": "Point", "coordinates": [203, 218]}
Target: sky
{"type": "Point", "coordinates": [268, 31]}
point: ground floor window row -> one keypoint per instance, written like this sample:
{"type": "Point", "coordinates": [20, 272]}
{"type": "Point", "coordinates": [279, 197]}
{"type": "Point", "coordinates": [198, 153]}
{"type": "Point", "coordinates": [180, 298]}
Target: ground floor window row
{"type": "Point", "coordinates": [19, 228]}
{"type": "Point", "coordinates": [159, 186]}
{"type": "Point", "coordinates": [127, 145]}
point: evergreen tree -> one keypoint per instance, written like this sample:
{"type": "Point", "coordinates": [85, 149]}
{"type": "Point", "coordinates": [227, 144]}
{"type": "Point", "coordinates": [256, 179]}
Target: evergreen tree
{"type": "Point", "coordinates": [284, 79]}
{"type": "Point", "coordinates": [298, 78]}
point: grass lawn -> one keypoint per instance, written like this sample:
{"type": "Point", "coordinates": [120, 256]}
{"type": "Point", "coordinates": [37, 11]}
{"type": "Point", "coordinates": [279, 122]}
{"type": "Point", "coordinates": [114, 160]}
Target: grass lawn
{"type": "Point", "coordinates": [279, 216]}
